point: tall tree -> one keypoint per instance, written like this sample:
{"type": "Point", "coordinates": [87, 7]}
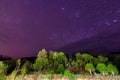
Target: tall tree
{"type": "Point", "coordinates": [41, 61]}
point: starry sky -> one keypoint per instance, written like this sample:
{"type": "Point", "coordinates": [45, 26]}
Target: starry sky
{"type": "Point", "coordinates": [26, 26]}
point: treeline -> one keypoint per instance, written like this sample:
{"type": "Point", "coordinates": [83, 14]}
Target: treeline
{"type": "Point", "coordinates": [59, 63]}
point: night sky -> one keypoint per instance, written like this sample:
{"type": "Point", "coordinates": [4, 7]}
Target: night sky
{"type": "Point", "coordinates": [27, 26]}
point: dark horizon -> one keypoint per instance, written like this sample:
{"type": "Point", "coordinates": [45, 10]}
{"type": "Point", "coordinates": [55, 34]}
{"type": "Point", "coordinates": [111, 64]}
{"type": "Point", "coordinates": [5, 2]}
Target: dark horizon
{"type": "Point", "coordinates": [27, 26]}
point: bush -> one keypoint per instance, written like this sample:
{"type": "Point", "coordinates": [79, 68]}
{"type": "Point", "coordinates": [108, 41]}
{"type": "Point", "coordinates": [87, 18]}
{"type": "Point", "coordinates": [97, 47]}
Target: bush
{"type": "Point", "coordinates": [13, 75]}
{"type": "Point", "coordinates": [3, 68]}
{"type": "Point", "coordinates": [50, 71]}
{"type": "Point", "coordinates": [23, 70]}
{"type": "Point", "coordinates": [2, 77]}
{"type": "Point", "coordinates": [60, 69]}
{"type": "Point", "coordinates": [67, 72]}
{"type": "Point", "coordinates": [14, 72]}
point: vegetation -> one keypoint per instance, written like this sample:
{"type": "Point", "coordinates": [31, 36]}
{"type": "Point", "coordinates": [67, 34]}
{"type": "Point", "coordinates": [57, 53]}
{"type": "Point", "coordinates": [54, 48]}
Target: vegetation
{"type": "Point", "coordinates": [102, 68]}
{"type": "Point", "coordinates": [89, 67]}
{"type": "Point", "coordinates": [112, 69]}
{"type": "Point", "coordinates": [3, 68]}
{"type": "Point", "coordinates": [59, 63]}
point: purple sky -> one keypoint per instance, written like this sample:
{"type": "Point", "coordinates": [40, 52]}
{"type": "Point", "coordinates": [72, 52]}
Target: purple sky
{"type": "Point", "coordinates": [26, 26]}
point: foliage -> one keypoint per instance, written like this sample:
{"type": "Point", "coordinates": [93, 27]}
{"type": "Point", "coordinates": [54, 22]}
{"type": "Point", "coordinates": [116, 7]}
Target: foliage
{"type": "Point", "coordinates": [58, 62]}
{"type": "Point", "coordinates": [87, 58]}
{"type": "Point", "coordinates": [14, 72]}
{"type": "Point", "coordinates": [79, 61]}
{"type": "Point", "coordinates": [78, 56]}
{"type": "Point", "coordinates": [101, 68]}
{"type": "Point", "coordinates": [89, 67]}
{"type": "Point", "coordinates": [13, 75]}
{"type": "Point", "coordinates": [18, 64]}
{"type": "Point", "coordinates": [23, 70]}
{"type": "Point", "coordinates": [11, 65]}
{"type": "Point", "coordinates": [50, 71]}
{"type": "Point", "coordinates": [3, 68]}
{"type": "Point", "coordinates": [112, 69]}
{"type": "Point", "coordinates": [2, 77]}
{"type": "Point", "coordinates": [40, 64]}
{"type": "Point", "coordinates": [62, 59]}
{"type": "Point", "coordinates": [79, 64]}
{"type": "Point", "coordinates": [103, 59]}
{"type": "Point", "coordinates": [41, 61]}
{"type": "Point", "coordinates": [60, 68]}
{"type": "Point", "coordinates": [28, 65]}
{"type": "Point", "coordinates": [67, 72]}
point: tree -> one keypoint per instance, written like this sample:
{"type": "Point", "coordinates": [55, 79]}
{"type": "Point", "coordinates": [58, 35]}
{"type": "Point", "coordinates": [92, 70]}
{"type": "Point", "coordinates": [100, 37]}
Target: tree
{"type": "Point", "coordinates": [89, 67]}
{"type": "Point", "coordinates": [103, 59]}
{"type": "Point", "coordinates": [23, 70]}
{"type": "Point", "coordinates": [55, 59]}
{"type": "Point", "coordinates": [101, 68]}
{"type": "Point", "coordinates": [40, 64]}
{"type": "Point", "coordinates": [79, 61]}
{"type": "Point", "coordinates": [60, 68]}
{"type": "Point", "coordinates": [95, 61]}
{"type": "Point", "coordinates": [87, 58]}
{"type": "Point", "coordinates": [28, 65]}
{"type": "Point", "coordinates": [67, 72]}
{"type": "Point", "coordinates": [112, 69]}
{"type": "Point", "coordinates": [62, 58]}
{"type": "Point", "coordinates": [18, 63]}
{"type": "Point", "coordinates": [41, 61]}
{"type": "Point", "coordinates": [42, 53]}
{"type": "Point", "coordinates": [78, 56]}
{"type": "Point", "coordinates": [79, 64]}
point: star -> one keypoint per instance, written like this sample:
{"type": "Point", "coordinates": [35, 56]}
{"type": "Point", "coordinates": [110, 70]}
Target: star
{"type": "Point", "coordinates": [115, 20]}
{"type": "Point", "coordinates": [62, 8]}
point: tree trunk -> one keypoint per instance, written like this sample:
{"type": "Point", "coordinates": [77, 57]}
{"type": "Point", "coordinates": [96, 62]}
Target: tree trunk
{"type": "Point", "coordinates": [103, 73]}
{"type": "Point", "coordinates": [112, 73]}
{"type": "Point", "coordinates": [90, 72]}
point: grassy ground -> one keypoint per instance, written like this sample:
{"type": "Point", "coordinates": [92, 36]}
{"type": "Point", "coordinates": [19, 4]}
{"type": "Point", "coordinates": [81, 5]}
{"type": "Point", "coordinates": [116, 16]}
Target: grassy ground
{"type": "Point", "coordinates": [60, 77]}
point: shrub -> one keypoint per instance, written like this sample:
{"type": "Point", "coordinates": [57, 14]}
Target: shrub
{"type": "Point", "coordinates": [67, 72]}
{"type": "Point", "coordinates": [23, 70]}
{"type": "Point", "coordinates": [3, 68]}
{"type": "Point", "coordinates": [2, 77]}
{"type": "Point", "coordinates": [60, 68]}
{"type": "Point", "coordinates": [13, 74]}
